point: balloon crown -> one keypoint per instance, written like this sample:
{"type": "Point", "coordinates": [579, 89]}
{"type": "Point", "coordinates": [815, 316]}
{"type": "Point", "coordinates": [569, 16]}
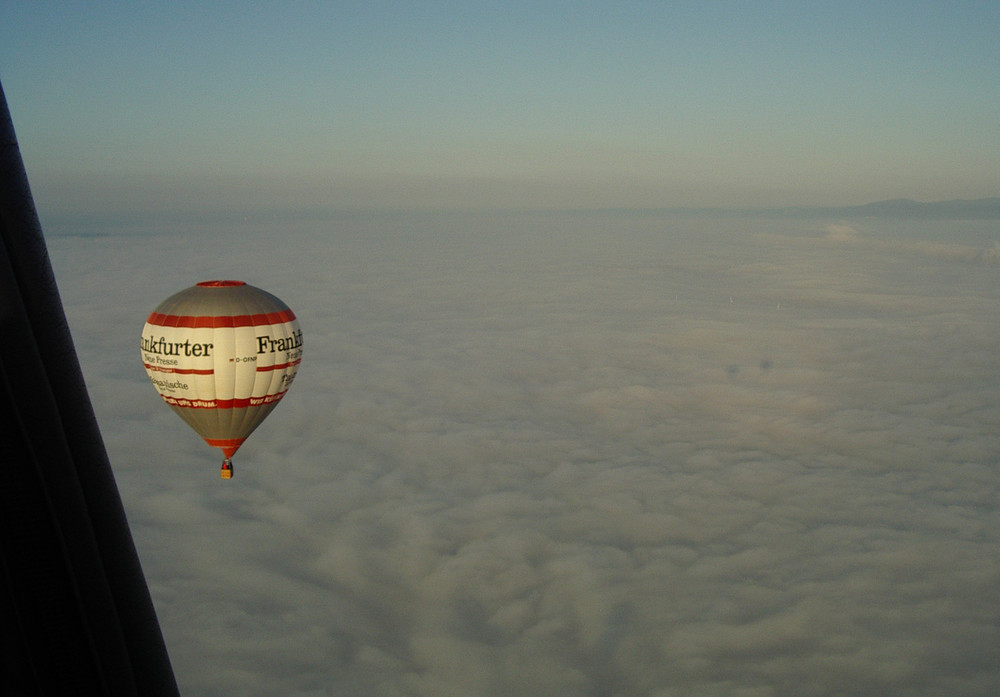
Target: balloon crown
{"type": "Point", "coordinates": [221, 284]}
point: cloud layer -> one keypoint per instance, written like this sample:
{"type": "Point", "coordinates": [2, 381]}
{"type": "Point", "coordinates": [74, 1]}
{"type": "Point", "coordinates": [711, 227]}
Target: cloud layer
{"type": "Point", "coordinates": [573, 455]}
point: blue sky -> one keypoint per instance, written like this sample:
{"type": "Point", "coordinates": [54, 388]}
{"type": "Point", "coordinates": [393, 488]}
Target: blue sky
{"type": "Point", "coordinates": [257, 106]}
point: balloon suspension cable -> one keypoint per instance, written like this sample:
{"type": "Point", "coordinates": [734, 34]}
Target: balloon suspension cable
{"type": "Point", "coordinates": [227, 469]}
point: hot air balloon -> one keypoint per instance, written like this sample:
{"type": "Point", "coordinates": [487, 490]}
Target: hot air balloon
{"type": "Point", "coordinates": [222, 354]}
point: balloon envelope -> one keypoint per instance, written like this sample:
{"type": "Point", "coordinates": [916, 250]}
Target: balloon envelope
{"type": "Point", "coordinates": [222, 354]}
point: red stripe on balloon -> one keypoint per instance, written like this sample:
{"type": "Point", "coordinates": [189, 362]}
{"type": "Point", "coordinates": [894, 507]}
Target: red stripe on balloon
{"type": "Point", "coordinates": [179, 371]}
{"type": "Point", "coordinates": [229, 445]}
{"type": "Point", "coordinates": [221, 284]}
{"type": "Point", "coordinates": [224, 442]}
{"type": "Point", "coordinates": [278, 366]}
{"type": "Point", "coordinates": [241, 403]}
{"type": "Point", "coordinates": [209, 322]}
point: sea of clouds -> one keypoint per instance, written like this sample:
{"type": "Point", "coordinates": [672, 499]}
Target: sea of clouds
{"type": "Point", "coordinates": [572, 454]}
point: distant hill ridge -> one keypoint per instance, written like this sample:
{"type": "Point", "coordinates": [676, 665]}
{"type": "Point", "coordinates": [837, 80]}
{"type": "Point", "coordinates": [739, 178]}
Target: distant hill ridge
{"type": "Point", "coordinates": [956, 209]}
{"type": "Point", "coordinates": [897, 208]}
